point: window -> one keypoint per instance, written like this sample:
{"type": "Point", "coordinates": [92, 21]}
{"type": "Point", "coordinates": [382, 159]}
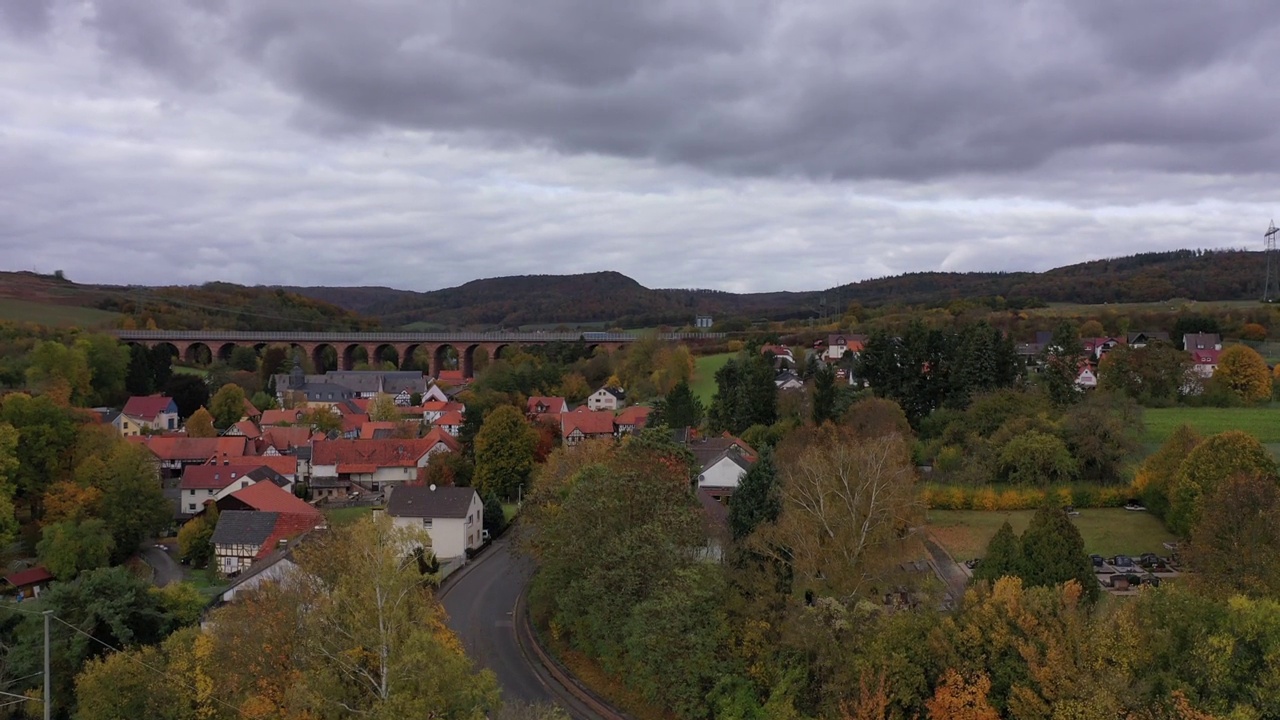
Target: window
{"type": "Point", "coordinates": [426, 523]}
{"type": "Point", "coordinates": [191, 507]}
{"type": "Point", "coordinates": [193, 492]}
{"type": "Point", "coordinates": [244, 484]}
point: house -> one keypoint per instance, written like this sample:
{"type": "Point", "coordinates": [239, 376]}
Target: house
{"type": "Point", "coordinates": [1087, 378]}
{"type": "Point", "coordinates": [244, 428]}
{"type": "Point", "coordinates": [275, 418]}
{"type": "Point", "coordinates": [365, 384]}
{"type": "Point", "coordinates": [1143, 339]}
{"type": "Point", "coordinates": [151, 412]}
{"type": "Point", "coordinates": [268, 497]}
{"type": "Point", "coordinates": [539, 405]}
{"type": "Point", "coordinates": [433, 409]}
{"type": "Point", "coordinates": [1205, 362]}
{"type": "Point", "coordinates": [376, 464]}
{"type": "Point", "coordinates": [782, 356]}
{"type": "Point", "coordinates": [1201, 341]}
{"type": "Point", "coordinates": [29, 583]}
{"type": "Point", "coordinates": [275, 566]}
{"type": "Point", "coordinates": [452, 516]}
{"type": "Point", "coordinates": [452, 378]}
{"type": "Point", "coordinates": [283, 440]}
{"type": "Point", "coordinates": [175, 453]}
{"type": "Point", "coordinates": [434, 393]}
{"type": "Point", "coordinates": [788, 380]}
{"type": "Point", "coordinates": [707, 449]}
{"type": "Point", "coordinates": [582, 425]}
{"type": "Point", "coordinates": [838, 345]}
{"type": "Point", "coordinates": [379, 430]}
{"type": "Point", "coordinates": [450, 422]}
{"type": "Point", "coordinates": [631, 419]}
{"type": "Point", "coordinates": [1097, 347]}
{"type": "Point", "coordinates": [216, 480]}
{"type": "Point", "coordinates": [607, 398]}
{"type": "Point", "coordinates": [721, 474]}
{"type": "Point", "coordinates": [243, 536]}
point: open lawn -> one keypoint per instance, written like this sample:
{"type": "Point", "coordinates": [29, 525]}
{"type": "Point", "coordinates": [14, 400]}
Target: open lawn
{"type": "Point", "coordinates": [56, 315]}
{"type": "Point", "coordinates": [704, 376]}
{"type": "Point", "coordinates": [207, 581]}
{"type": "Point", "coordinates": [187, 370]}
{"type": "Point", "coordinates": [1106, 531]}
{"type": "Point", "coordinates": [345, 516]}
{"type": "Point", "coordinates": [1261, 422]}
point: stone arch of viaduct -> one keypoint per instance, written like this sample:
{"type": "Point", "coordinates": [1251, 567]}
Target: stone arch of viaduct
{"type": "Point", "coordinates": [197, 346]}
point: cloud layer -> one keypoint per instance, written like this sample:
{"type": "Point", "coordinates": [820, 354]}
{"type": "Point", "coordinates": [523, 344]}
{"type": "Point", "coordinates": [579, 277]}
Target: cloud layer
{"type": "Point", "coordinates": [746, 145]}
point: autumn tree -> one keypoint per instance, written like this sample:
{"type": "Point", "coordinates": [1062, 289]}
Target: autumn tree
{"type": "Point", "coordinates": [227, 406]}
{"type": "Point", "coordinates": [322, 420]}
{"type": "Point", "coordinates": [71, 501]}
{"type": "Point", "coordinates": [1253, 332]}
{"type": "Point", "coordinates": [195, 539]}
{"type": "Point", "coordinates": [8, 482]}
{"type": "Point", "coordinates": [846, 504]}
{"type": "Point", "coordinates": [1036, 458]}
{"type": "Point", "coordinates": [505, 448]}
{"type": "Point", "coordinates": [958, 698]}
{"type": "Point", "coordinates": [67, 548]}
{"type": "Point", "coordinates": [1062, 357]}
{"type": "Point", "coordinates": [383, 409]}
{"type": "Point", "coordinates": [200, 425]}
{"type": "Point", "coordinates": [1235, 544]}
{"type": "Point", "coordinates": [133, 503]}
{"type": "Point", "coordinates": [1219, 457]}
{"type": "Point", "coordinates": [574, 387]}
{"type": "Point", "coordinates": [47, 434]}
{"type": "Point", "coordinates": [1243, 372]}
{"type": "Point", "coordinates": [61, 371]}
{"type": "Point", "coordinates": [1154, 373]}
{"type": "Point", "coordinates": [108, 363]}
{"type": "Point", "coordinates": [1155, 478]}
{"type": "Point", "coordinates": [875, 417]}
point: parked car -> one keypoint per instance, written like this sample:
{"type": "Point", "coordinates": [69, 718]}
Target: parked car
{"type": "Point", "coordinates": [1068, 509]}
{"type": "Point", "coordinates": [971, 564]}
{"type": "Point", "coordinates": [1134, 505]}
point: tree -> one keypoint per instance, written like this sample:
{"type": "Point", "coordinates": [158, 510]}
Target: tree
{"type": "Point", "coordinates": [200, 425]}
{"type": "Point", "coordinates": [495, 517]}
{"type": "Point", "coordinates": [108, 363]}
{"type": "Point", "coordinates": [679, 409]}
{"type": "Point", "coordinates": [47, 435]}
{"type": "Point", "coordinates": [8, 482]}
{"type": "Point", "coordinates": [824, 394]}
{"type": "Point", "coordinates": [383, 409]}
{"type": "Point", "coordinates": [1188, 324]}
{"type": "Point", "coordinates": [1253, 332]}
{"type": "Point", "coordinates": [1053, 553]}
{"type": "Point", "coordinates": [875, 417]}
{"type": "Point", "coordinates": [133, 502]}
{"type": "Point", "coordinates": [1244, 373]}
{"type": "Point", "coordinates": [1219, 457]}
{"type": "Point", "coordinates": [1036, 458]}
{"type": "Point", "coordinates": [1102, 432]}
{"type": "Point", "coordinates": [745, 394]}
{"type": "Point", "coordinates": [182, 602]}
{"type": "Point", "coordinates": [227, 406]}
{"type": "Point", "coordinates": [189, 393]}
{"type": "Point", "coordinates": [61, 371]}
{"type": "Point", "coordinates": [123, 686]}
{"type": "Point", "coordinates": [1092, 329]}
{"type": "Point", "coordinates": [244, 358]}
{"type": "Point", "coordinates": [265, 401]}
{"type": "Point", "coordinates": [1003, 557]}
{"type": "Point", "coordinates": [1155, 479]}
{"type": "Point", "coordinates": [1062, 358]}
{"type": "Point", "coordinates": [846, 503]}
{"type": "Point", "coordinates": [959, 699]}
{"type": "Point", "coordinates": [68, 548]}
{"type": "Point", "coordinates": [1154, 373]}
{"type": "Point", "coordinates": [195, 538]}
{"type": "Point", "coordinates": [1235, 545]}
{"type": "Point", "coordinates": [756, 500]}
{"type": "Point", "coordinates": [322, 420]}
{"type": "Point", "coordinates": [504, 452]}
{"type": "Point", "coordinates": [140, 377]}
{"type": "Point", "coordinates": [70, 501]}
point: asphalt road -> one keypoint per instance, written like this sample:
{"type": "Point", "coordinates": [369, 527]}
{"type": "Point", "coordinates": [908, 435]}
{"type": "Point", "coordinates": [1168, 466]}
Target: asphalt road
{"type": "Point", "coordinates": [164, 567]}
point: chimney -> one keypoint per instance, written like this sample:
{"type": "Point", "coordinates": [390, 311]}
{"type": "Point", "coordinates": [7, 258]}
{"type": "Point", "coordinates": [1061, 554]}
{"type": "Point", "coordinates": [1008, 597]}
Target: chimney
{"type": "Point", "coordinates": [225, 459]}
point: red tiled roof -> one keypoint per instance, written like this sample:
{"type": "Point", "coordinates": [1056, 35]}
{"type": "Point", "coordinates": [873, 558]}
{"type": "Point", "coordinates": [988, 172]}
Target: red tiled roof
{"type": "Point", "coordinates": [189, 448]}
{"type": "Point", "coordinates": [356, 468]}
{"type": "Point", "coordinates": [29, 577]}
{"type": "Point", "coordinates": [251, 410]}
{"type": "Point", "coordinates": [267, 497]}
{"type": "Point", "coordinates": [437, 406]}
{"type": "Point", "coordinates": [353, 422]}
{"type": "Point", "coordinates": [380, 453]}
{"type": "Point", "coordinates": [437, 436]}
{"type": "Point", "coordinates": [288, 526]}
{"type": "Point", "coordinates": [548, 418]}
{"type": "Point", "coordinates": [215, 476]}
{"type": "Point", "coordinates": [450, 417]}
{"type": "Point", "coordinates": [248, 429]}
{"type": "Point", "coordinates": [368, 429]}
{"type": "Point", "coordinates": [636, 415]}
{"type": "Point", "coordinates": [552, 405]}
{"type": "Point", "coordinates": [275, 417]}
{"type": "Point", "coordinates": [286, 465]}
{"type": "Point", "coordinates": [589, 423]}
{"type": "Point", "coordinates": [146, 407]}
{"type": "Point", "coordinates": [284, 438]}
{"type": "Point", "coordinates": [1205, 357]}
{"type": "Point", "coordinates": [361, 403]}
{"type": "Point", "coordinates": [451, 377]}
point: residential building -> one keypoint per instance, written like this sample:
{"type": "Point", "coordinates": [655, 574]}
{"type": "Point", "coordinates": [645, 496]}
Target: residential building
{"type": "Point", "coordinates": [275, 566]}
{"type": "Point", "coordinates": [243, 536]}
{"type": "Point", "coordinates": [175, 453]}
{"type": "Point", "coordinates": [29, 583]}
{"type": "Point", "coordinates": [1201, 341]}
{"type": "Point", "coordinates": [583, 424]}
{"type": "Point", "coordinates": [630, 420]}
{"type": "Point", "coordinates": [449, 421]}
{"type": "Point", "coordinates": [1087, 378]}
{"type": "Point", "coordinates": [607, 398]}
{"type": "Point", "coordinates": [276, 418]}
{"type": "Point", "coordinates": [1143, 339]}
{"type": "Point", "coordinates": [151, 412]}
{"type": "Point", "coordinates": [539, 405]}
{"type": "Point", "coordinates": [1205, 362]}
{"type": "Point", "coordinates": [839, 344]}
{"type": "Point", "coordinates": [1096, 348]}
{"type": "Point", "coordinates": [375, 465]}
{"type": "Point", "coordinates": [788, 380]}
{"type": "Point", "coordinates": [214, 481]}
{"type": "Point", "coordinates": [721, 474]}
{"type": "Point", "coordinates": [268, 497]}
{"type": "Point", "coordinates": [433, 409]}
{"type": "Point", "coordinates": [366, 384]}
{"type": "Point", "coordinates": [782, 355]}
{"type": "Point", "coordinates": [245, 429]}
{"type": "Point", "coordinates": [452, 516]}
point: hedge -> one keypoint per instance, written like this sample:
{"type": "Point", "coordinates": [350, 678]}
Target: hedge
{"type": "Point", "coordinates": [995, 497]}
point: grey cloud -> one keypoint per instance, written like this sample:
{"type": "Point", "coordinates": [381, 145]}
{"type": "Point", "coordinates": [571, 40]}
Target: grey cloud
{"type": "Point", "coordinates": [157, 35]}
{"type": "Point", "coordinates": [26, 17]}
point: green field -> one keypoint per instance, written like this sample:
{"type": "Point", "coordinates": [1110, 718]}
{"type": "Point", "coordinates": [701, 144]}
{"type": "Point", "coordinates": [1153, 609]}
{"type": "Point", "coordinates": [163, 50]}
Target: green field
{"type": "Point", "coordinates": [1261, 422]}
{"type": "Point", "coordinates": [185, 370]}
{"type": "Point", "coordinates": [55, 315]}
{"type": "Point", "coordinates": [704, 376]}
{"type": "Point", "coordinates": [1106, 531]}
{"type": "Point", "coordinates": [345, 516]}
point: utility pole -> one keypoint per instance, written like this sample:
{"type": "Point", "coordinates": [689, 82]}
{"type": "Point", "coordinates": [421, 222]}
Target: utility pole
{"type": "Point", "coordinates": [48, 705]}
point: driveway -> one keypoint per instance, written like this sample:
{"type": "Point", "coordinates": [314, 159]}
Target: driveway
{"type": "Point", "coordinates": [480, 602]}
{"type": "Point", "coordinates": [164, 568]}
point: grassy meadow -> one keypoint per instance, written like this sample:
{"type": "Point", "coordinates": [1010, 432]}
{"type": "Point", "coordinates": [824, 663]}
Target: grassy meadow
{"type": "Point", "coordinates": [704, 376]}
{"type": "Point", "coordinates": [1261, 422]}
{"type": "Point", "coordinates": [55, 315]}
{"type": "Point", "coordinates": [1106, 531]}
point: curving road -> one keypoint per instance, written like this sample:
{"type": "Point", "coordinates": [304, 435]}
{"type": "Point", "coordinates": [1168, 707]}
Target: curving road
{"type": "Point", "coordinates": [164, 568]}
{"type": "Point", "coordinates": [480, 602]}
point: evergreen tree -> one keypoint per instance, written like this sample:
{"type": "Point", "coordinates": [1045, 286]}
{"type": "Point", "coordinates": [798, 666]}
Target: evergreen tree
{"type": "Point", "coordinates": [824, 394]}
{"type": "Point", "coordinates": [745, 394]}
{"type": "Point", "coordinates": [757, 498]}
{"type": "Point", "coordinates": [139, 378]}
{"type": "Point", "coordinates": [504, 452]}
{"type": "Point", "coordinates": [495, 519]}
{"type": "Point", "coordinates": [1004, 556]}
{"type": "Point", "coordinates": [1062, 358]}
{"type": "Point", "coordinates": [1053, 553]}
{"type": "Point", "coordinates": [679, 409]}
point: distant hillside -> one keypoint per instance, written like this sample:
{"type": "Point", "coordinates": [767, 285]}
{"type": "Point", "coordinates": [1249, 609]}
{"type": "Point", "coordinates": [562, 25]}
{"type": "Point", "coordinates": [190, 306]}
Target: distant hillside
{"type": "Point", "coordinates": [47, 299]}
{"type": "Point", "coordinates": [615, 299]}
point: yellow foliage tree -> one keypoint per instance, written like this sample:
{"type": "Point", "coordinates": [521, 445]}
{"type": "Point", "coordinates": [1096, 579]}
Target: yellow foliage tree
{"type": "Point", "coordinates": [68, 501]}
{"type": "Point", "coordinates": [959, 699]}
{"type": "Point", "coordinates": [1244, 372]}
{"type": "Point", "coordinates": [200, 424]}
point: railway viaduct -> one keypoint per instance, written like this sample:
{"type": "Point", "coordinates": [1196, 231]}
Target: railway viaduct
{"type": "Point", "coordinates": [322, 347]}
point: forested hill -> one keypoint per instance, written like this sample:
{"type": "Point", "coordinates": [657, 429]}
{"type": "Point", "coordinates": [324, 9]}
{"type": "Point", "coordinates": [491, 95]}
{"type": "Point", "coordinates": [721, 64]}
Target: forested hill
{"type": "Point", "coordinates": [213, 305]}
{"type": "Point", "coordinates": [614, 298]}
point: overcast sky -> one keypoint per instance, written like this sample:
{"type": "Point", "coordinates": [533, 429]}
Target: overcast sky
{"type": "Point", "coordinates": [743, 145]}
